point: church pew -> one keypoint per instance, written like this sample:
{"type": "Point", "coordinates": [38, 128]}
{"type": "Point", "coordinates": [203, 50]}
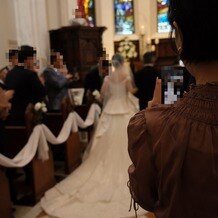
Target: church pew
{"type": "Point", "coordinates": [71, 150]}
{"type": "Point", "coordinates": [40, 174]}
{"type": "Point", "coordinates": [82, 110]}
{"type": "Point", "coordinates": [5, 201]}
{"type": "Point", "coordinates": [15, 138]}
{"type": "Point", "coordinates": [73, 154]}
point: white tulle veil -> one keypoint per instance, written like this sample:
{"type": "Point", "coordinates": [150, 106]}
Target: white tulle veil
{"type": "Point", "coordinates": [120, 68]}
{"type": "Point", "coordinates": [119, 71]}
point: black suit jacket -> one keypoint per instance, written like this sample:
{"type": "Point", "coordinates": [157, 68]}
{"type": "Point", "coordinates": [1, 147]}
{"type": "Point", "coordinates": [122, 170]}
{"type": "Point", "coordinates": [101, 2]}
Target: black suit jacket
{"type": "Point", "coordinates": [93, 80]}
{"type": "Point", "coordinates": [28, 89]}
{"type": "Point", "coordinates": [145, 80]}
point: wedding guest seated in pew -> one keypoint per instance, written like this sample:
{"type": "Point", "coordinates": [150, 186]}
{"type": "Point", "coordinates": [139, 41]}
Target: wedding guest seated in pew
{"type": "Point", "coordinates": [26, 85]}
{"type": "Point", "coordinates": [12, 58]}
{"type": "Point", "coordinates": [13, 61]}
{"type": "Point", "coordinates": [57, 81]}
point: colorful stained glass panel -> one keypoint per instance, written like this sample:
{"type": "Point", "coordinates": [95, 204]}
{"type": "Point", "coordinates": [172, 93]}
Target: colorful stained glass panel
{"type": "Point", "coordinates": [89, 11]}
{"type": "Point", "coordinates": [124, 17]}
{"type": "Point", "coordinates": [163, 25]}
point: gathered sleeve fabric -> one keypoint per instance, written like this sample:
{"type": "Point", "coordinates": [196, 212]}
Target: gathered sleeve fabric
{"type": "Point", "coordinates": [143, 180]}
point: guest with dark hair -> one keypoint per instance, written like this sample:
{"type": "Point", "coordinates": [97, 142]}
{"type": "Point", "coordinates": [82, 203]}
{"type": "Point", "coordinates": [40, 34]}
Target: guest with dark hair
{"type": "Point", "coordinates": [26, 85]}
{"type": "Point", "coordinates": [13, 58]}
{"type": "Point", "coordinates": [174, 149]}
{"type": "Point", "coordinates": [145, 80]}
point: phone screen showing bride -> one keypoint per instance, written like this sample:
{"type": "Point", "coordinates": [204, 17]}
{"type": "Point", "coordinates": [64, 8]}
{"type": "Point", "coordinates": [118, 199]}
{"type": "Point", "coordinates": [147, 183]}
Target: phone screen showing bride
{"type": "Point", "coordinates": [172, 84]}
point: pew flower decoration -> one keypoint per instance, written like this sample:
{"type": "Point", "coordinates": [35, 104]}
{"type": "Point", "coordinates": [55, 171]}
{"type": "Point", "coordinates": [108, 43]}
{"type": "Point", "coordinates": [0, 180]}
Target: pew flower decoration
{"type": "Point", "coordinates": [127, 49]}
{"type": "Point", "coordinates": [39, 111]}
{"type": "Point", "coordinates": [96, 94]}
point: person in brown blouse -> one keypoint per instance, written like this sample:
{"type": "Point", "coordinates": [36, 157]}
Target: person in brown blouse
{"type": "Point", "coordinates": [174, 149]}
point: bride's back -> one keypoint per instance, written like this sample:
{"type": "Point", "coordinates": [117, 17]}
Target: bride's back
{"type": "Point", "coordinates": [116, 85]}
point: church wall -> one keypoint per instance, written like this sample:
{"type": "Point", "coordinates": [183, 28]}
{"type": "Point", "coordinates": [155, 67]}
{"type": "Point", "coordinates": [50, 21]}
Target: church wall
{"type": "Point", "coordinates": [7, 30]}
{"type": "Point", "coordinates": [52, 14]}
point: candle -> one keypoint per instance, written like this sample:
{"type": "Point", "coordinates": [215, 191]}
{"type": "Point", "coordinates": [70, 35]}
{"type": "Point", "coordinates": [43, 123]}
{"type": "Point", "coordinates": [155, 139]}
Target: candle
{"type": "Point", "coordinates": [148, 40]}
{"type": "Point", "coordinates": [153, 48]}
{"type": "Point", "coordinates": [142, 30]}
{"type": "Point", "coordinates": [156, 41]}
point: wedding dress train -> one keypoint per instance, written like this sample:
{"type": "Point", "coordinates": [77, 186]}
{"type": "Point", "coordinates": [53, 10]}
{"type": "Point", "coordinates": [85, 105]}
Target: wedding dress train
{"type": "Point", "coordinates": [98, 188]}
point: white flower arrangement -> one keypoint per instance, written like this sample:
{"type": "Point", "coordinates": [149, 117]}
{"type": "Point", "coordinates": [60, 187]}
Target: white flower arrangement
{"type": "Point", "coordinates": [96, 95]}
{"type": "Point", "coordinates": [39, 110]}
{"type": "Point", "coordinates": [127, 49]}
{"type": "Point", "coordinates": [40, 106]}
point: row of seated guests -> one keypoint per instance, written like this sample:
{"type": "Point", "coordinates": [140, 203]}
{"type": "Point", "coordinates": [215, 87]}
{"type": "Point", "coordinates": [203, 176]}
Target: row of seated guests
{"type": "Point", "coordinates": [23, 77]}
{"type": "Point", "coordinates": [29, 87]}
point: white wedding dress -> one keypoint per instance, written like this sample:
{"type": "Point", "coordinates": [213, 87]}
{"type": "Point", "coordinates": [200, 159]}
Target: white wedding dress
{"type": "Point", "coordinates": [98, 187]}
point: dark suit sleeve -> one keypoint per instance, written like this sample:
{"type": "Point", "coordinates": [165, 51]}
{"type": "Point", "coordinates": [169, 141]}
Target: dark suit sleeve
{"type": "Point", "coordinates": [38, 90]}
{"type": "Point", "coordinates": [53, 80]}
{"type": "Point", "coordinates": [87, 81]}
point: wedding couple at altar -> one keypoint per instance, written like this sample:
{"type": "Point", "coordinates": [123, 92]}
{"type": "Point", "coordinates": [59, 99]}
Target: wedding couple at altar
{"type": "Point", "coordinates": [98, 188]}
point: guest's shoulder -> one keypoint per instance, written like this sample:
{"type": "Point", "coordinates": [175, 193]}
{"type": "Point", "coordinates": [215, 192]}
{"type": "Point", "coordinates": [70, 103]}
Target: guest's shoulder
{"type": "Point", "coordinates": [48, 70]}
{"type": "Point", "coordinates": [149, 114]}
{"type": "Point", "coordinates": [148, 119]}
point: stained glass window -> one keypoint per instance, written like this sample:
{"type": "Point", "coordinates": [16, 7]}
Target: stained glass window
{"type": "Point", "coordinates": [124, 16]}
{"type": "Point", "coordinates": [89, 10]}
{"type": "Point", "coordinates": [86, 9]}
{"type": "Point", "coordinates": [163, 25]}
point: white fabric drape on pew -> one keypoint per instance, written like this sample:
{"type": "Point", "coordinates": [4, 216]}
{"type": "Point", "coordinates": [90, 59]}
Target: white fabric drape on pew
{"type": "Point", "coordinates": [41, 134]}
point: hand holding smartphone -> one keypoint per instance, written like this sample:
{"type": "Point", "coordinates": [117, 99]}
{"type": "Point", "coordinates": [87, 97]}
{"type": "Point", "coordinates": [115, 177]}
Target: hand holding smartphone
{"type": "Point", "coordinates": [157, 94]}
{"type": "Point", "coordinates": [172, 84]}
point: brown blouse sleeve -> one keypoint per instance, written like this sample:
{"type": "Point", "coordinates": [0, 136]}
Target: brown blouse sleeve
{"type": "Point", "coordinates": [143, 180]}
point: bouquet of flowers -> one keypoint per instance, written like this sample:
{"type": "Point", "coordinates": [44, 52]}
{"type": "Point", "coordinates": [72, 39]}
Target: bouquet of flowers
{"type": "Point", "coordinates": [96, 94]}
{"type": "Point", "coordinates": [39, 111]}
{"type": "Point", "coordinates": [127, 49]}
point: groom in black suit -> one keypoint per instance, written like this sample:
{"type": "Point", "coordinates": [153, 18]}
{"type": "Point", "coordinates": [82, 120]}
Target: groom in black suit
{"type": "Point", "coordinates": [145, 80]}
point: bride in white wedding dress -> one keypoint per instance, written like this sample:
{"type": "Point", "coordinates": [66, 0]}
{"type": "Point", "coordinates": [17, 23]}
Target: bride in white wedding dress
{"type": "Point", "coordinates": [98, 187]}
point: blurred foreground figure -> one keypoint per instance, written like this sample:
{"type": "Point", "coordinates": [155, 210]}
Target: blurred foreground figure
{"type": "Point", "coordinates": [174, 149]}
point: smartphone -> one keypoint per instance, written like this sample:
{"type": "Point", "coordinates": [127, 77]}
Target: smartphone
{"type": "Point", "coordinates": [172, 84]}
